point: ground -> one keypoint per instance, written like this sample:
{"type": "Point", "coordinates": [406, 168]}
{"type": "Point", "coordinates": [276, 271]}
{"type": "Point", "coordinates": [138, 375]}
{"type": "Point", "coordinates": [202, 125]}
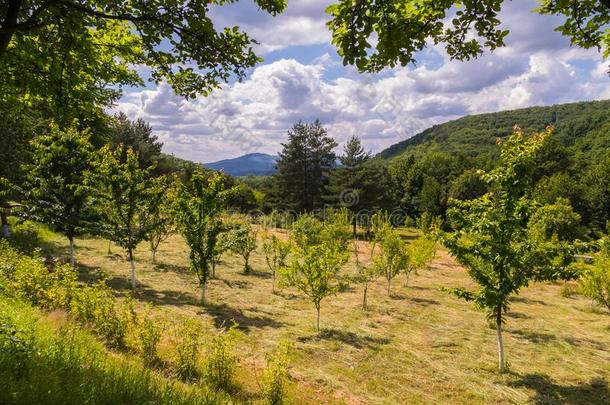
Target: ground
{"type": "Point", "coordinates": [419, 345]}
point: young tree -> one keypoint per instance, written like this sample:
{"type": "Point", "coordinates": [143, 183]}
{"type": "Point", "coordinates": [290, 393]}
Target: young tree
{"type": "Point", "coordinates": [366, 273]}
{"type": "Point", "coordinates": [402, 28]}
{"type": "Point", "coordinates": [303, 165]}
{"type": "Point", "coordinates": [200, 203]}
{"type": "Point", "coordinates": [125, 197]}
{"type": "Point", "coordinates": [54, 189]}
{"type": "Point", "coordinates": [315, 271]}
{"type": "Point", "coordinates": [492, 240]}
{"type": "Point", "coordinates": [242, 241]}
{"type": "Point", "coordinates": [162, 216]}
{"type": "Point", "coordinates": [276, 252]}
{"type": "Point", "coordinates": [555, 221]}
{"type": "Point", "coordinates": [392, 258]}
{"type": "Point", "coordinates": [596, 279]}
{"type": "Point", "coordinates": [420, 252]}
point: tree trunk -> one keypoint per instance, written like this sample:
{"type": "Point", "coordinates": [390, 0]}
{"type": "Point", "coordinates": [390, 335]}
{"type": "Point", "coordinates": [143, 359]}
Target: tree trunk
{"type": "Point", "coordinates": [71, 240]}
{"type": "Point", "coordinates": [109, 246]}
{"type": "Point", "coordinates": [273, 282]}
{"type": "Point", "coordinates": [247, 265]}
{"type": "Point", "coordinates": [318, 319]}
{"type": "Point", "coordinates": [5, 227]}
{"type": "Point", "coordinates": [203, 288]}
{"type": "Point", "coordinates": [10, 21]}
{"type": "Point", "coordinates": [500, 342]}
{"type": "Point", "coordinates": [389, 285]}
{"type": "Point", "coordinates": [354, 227]}
{"type": "Point", "coordinates": [213, 267]}
{"type": "Point", "coordinates": [366, 289]}
{"type": "Point", "coordinates": [133, 271]}
{"type": "Point", "coordinates": [154, 256]}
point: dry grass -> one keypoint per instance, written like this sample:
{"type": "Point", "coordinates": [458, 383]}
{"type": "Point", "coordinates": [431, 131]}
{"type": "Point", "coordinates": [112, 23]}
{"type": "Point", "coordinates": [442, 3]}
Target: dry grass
{"type": "Point", "coordinates": [418, 346]}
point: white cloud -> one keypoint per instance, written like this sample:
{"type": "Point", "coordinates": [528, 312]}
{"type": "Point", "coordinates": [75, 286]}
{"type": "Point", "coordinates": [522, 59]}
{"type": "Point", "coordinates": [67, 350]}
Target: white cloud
{"type": "Point", "coordinates": [536, 68]}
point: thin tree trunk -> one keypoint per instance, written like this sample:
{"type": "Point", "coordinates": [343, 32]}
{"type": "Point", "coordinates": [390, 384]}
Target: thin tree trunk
{"type": "Point", "coordinates": [354, 226]}
{"type": "Point", "coordinates": [133, 271]}
{"type": "Point", "coordinates": [109, 246]}
{"type": "Point", "coordinates": [154, 256]}
{"type": "Point", "coordinates": [5, 227]}
{"type": "Point", "coordinates": [203, 288]}
{"type": "Point", "coordinates": [71, 240]}
{"type": "Point", "coordinates": [247, 265]}
{"type": "Point", "coordinates": [273, 282]}
{"type": "Point", "coordinates": [500, 342]}
{"type": "Point", "coordinates": [389, 285]}
{"type": "Point", "coordinates": [366, 289]}
{"type": "Point", "coordinates": [318, 319]}
{"type": "Point", "coordinates": [213, 267]}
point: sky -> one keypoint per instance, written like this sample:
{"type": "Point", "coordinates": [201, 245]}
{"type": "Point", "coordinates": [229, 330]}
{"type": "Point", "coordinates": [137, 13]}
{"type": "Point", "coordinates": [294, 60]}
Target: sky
{"type": "Point", "coordinates": [302, 78]}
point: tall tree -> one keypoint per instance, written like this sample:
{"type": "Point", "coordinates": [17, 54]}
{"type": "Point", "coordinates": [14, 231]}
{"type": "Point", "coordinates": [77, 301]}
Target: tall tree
{"type": "Point", "coordinates": [54, 190]}
{"type": "Point", "coordinates": [126, 196]}
{"type": "Point", "coordinates": [402, 28]}
{"type": "Point", "coordinates": [137, 135]}
{"type": "Point", "coordinates": [492, 240]}
{"type": "Point", "coordinates": [199, 204]}
{"type": "Point", "coordinates": [357, 184]}
{"type": "Point", "coordinates": [303, 166]}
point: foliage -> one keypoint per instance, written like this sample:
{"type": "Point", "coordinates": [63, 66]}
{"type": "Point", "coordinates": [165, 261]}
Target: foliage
{"type": "Point", "coordinates": [221, 361]}
{"type": "Point", "coordinates": [149, 334]}
{"type": "Point", "coordinates": [302, 167]}
{"type": "Point", "coordinates": [100, 42]}
{"type": "Point", "coordinates": [401, 29]}
{"type": "Point", "coordinates": [420, 253]}
{"type": "Point", "coordinates": [125, 197]}
{"type": "Point", "coordinates": [162, 215]}
{"type": "Point", "coordinates": [596, 281]}
{"type": "Point", "coordinates": [198, 207]}
{"type": "Point", "coordinates": [491, 240]}
{"type": "Point", "coordinates": [187, 350]}
{"type": "Point", "coordinates": [392, 258]}
{"type": "Point", "coordinates": [54, 190]}
{"type": "Point", "coordinates": [66, 365]}
{"type": "Point", "coordinates": [136, 135]}
{"type": "Point", "coordinates": [555, 222]}
{"type": "Point", "coordinates": [275, 374]}
{"type": "Point", "coordinates": [315, 271]}
{"type": "Point", "coordinates": [276, 253]}
{"type": "Point", "coordinates": [241, 240]}
{"type": "Point", "coordinates": [366, 273]}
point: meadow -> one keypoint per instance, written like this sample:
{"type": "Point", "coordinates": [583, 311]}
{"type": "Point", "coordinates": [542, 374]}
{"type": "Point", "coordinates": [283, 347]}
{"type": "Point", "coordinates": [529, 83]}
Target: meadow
{"type": "Point", "coordinates": [419, 345]}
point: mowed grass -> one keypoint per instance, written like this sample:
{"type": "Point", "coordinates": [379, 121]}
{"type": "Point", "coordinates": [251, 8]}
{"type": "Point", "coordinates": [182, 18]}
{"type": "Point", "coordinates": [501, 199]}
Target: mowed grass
{"type": "Point", "coordinates": [420, 345]}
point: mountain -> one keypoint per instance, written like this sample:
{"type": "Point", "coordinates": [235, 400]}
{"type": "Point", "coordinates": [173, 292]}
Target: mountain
{"type": "Point", "coordinates": [584, 127]}
{"type": "Point", "coordinates": [252, 164]}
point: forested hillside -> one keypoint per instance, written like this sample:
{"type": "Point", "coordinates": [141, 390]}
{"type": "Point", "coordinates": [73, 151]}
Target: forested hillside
{"type": "Point", "coordinates": [584, 126]}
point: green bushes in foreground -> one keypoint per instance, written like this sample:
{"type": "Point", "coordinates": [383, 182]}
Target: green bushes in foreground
{"type": "Point", "coordinates": [43, 364]}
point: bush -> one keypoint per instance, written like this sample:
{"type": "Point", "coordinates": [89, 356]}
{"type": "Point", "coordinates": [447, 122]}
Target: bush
{"type": "Point", "coordinates": [149, 336]}
{"type": "Point", "coordinates": [187, 350]}
{"type": "Point", "coordinates": [568, 290]}
{"type": "Point", "coordinates": [428, 223]}
{"type": "Point", "coordinates": [221, 361]}
{"type": "Point", "coordinates": [16, 346]}
{"type": "Point", "coordinates": [98, 307]}
{"type": "Point", "coordinates": [275, 375]}
{"type": "Point", "coordinates": [596, 281]}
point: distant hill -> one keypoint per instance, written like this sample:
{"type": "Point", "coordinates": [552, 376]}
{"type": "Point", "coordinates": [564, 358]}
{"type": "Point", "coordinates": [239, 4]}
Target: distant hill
{"type": "Point", "coordinates": [252, 164]}
{"type": "Point", "coordinates": [583, 126]}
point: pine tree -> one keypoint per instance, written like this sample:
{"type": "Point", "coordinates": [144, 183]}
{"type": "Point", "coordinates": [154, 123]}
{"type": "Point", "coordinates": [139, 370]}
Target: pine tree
{"type": "Point", "coordinates": [303, 165]}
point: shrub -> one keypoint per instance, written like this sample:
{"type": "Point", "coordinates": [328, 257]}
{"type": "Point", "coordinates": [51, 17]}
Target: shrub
{"type": "Point", "coordinates": [275, 375]}
{"type": "Point", "coordinates": [428, 223]}
{"type": "Point", "coordinates": [221, 360]}
{"type": "Point", "coordinates": [149, 336]}
{"type": "Point", "coordinates": [187, 350]}
{"type": "Point", "coordinates": [97, 306]}
{"type": "Point", "coordinates": [596, 281]}
{"type": "Point", "coordinates": [16, 346]}
{"type": "Point", "coordinates": [568, 290]}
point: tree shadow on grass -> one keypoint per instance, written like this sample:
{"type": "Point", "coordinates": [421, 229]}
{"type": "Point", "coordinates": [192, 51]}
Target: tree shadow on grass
{"type": "Point", "coordinates": [176, 268]}
{"type": "Point", "coordinates": [346, 337]}
{"type": "Point", "coordinates": [225, 315]}
{"type": "Point", "coordinates": [528, 300]}
{"type": "Point", "coordinates": [425, 301]}
{"type": "Point", "coordinates": [163, 297]}
{"type": "Point", "coordinates": [534, 337]}
{"type": "Point", "coordinates": [257, 273]}
{"type": "Point", "coordinates": [548, 392]}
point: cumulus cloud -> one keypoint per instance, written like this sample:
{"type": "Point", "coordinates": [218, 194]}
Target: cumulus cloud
{"type": "Point", "coordinates": [538, 67]}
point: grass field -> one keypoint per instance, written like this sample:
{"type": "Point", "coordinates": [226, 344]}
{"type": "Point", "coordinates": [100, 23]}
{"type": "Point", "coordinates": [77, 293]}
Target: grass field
{"type": "Point", "coordinates": [419, 345]}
